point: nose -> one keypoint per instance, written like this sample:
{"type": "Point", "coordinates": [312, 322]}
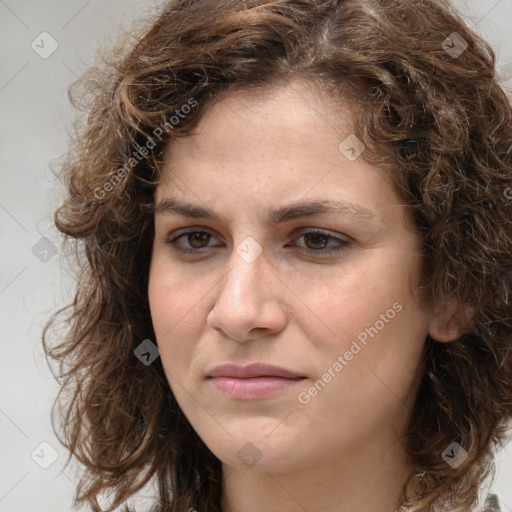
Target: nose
{"type": "Point", "coordinates": [249, 301]}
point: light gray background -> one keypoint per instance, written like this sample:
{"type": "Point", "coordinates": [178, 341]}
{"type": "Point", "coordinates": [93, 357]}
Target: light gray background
{"type": "Point", "coordinates": [35, 117]}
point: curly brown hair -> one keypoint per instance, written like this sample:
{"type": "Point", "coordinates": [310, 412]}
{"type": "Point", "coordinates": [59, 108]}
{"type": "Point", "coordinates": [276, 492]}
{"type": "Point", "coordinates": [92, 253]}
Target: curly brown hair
{"type": "Point", "coordinates": [439, 122]}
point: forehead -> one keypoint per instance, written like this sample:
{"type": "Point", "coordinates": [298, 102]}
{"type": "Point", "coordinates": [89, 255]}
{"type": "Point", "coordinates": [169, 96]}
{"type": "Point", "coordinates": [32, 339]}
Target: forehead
{"type": "Point", "coordinates": [277, 144]}
{"type": "Point", "coordinates": [277, 116]}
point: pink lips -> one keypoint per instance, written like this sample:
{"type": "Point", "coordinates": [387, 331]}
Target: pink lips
{"type": "Point", "coordinates": [252, 382]}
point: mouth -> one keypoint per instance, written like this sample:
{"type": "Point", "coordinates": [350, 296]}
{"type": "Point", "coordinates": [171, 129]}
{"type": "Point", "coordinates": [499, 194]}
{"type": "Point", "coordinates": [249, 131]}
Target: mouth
{"type": "Point", "coordinates": [252, 382]}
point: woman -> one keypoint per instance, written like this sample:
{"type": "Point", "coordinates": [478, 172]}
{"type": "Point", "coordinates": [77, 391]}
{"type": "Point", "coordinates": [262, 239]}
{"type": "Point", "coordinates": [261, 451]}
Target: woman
{"type": "Point", "coordinates": [296, 261]}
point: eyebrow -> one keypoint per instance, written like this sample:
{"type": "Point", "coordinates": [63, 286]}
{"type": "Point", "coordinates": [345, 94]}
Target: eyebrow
{"type": "Point", "coordinates": [276, 216]}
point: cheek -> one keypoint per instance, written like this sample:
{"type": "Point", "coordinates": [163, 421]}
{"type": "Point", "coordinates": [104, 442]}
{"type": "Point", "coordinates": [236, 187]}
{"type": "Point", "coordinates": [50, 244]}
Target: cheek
{"type": "Point", "coordinates": [177, 296]}
{"type": "Point", "coordinates": [379, 329]}
{"type": "Point", "coordinates": [374, 386]}
{"type": "Point", "coordinates": [174, 308]}
{"type": "Point", "coordinates": [350, 301]}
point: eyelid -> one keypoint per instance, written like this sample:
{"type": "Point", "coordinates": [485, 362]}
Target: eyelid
{"type": "Point", "coordinates": [190, 229]}
{"type": "Point", "coordinates": [321, 231]}
{"type": "Point", "coordinates": [297, 233]}
{"type": "Point", "coordinates": [173, 238]}
{"type": "Point", "coordinates": [342, 241]}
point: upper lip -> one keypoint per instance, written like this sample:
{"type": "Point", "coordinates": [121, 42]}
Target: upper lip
{"type": "Point", "coordinates": [252, 370]}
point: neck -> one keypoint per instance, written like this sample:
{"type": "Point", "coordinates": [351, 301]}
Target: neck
{"type": "Point", "coordinates": [371, 479]}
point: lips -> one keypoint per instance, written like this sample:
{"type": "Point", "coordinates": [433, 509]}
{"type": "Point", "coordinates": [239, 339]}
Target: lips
{"type": "Point", "coordinates": [252, 370]}
{"type": "Point", "coordinates": [255, 381]}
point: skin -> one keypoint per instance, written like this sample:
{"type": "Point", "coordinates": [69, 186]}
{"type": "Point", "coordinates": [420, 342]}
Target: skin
{"type": "Point", "coordinates": [250, 154]}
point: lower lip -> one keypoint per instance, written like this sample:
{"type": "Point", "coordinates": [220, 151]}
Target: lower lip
{"type": "Point", "coordinates": [253, 388]}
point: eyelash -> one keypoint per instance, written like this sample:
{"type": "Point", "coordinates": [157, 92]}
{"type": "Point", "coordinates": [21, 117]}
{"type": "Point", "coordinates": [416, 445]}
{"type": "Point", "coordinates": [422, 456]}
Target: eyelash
{"type": "Point", "coordinates": [316, 252]}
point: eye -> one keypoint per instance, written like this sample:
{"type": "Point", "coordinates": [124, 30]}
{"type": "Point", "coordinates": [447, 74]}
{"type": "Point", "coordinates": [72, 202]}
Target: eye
{"type": "Point", "coordinates": [191, 241]}
{"type": "Point", "coordinates": [313, 242]}
{"type": "Point", "coordinates": [320, 242]}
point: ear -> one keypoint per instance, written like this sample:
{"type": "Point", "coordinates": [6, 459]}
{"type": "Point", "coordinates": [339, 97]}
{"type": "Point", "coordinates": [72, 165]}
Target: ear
{"type": "Point", "coordinates": [450, 321]}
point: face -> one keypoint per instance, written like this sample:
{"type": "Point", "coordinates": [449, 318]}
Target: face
{"type": "Point", "coordinates": [274, 245]}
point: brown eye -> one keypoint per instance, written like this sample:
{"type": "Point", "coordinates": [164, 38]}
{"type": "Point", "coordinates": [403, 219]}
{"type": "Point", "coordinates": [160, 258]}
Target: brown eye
{"type": "Point", "coordinates": [316, 240]}
{"type": "Point", "coordinates": [192, 242]}
{"type": "Point", "coordinates": [320, 243]}
{"type": "Point", "coordinates": [198, 239]}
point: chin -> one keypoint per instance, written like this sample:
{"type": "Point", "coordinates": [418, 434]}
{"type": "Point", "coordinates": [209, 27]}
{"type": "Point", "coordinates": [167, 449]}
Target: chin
{"type": "Point", "coordinates": [256, 445]}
